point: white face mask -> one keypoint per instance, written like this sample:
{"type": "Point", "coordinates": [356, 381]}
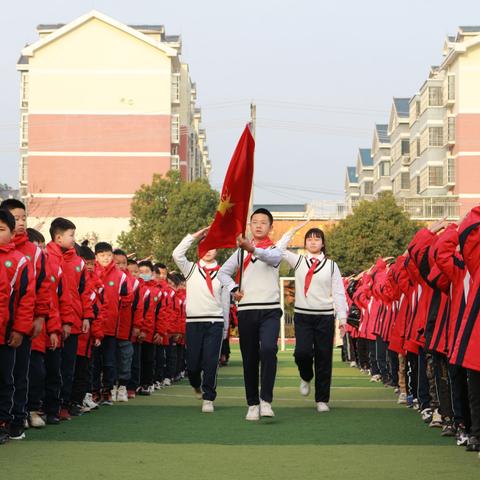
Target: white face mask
{"type": "Point", "coordinates": [146, 276]}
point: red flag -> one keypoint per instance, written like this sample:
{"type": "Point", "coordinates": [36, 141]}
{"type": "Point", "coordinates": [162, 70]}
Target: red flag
{"type": "Point", "coordinates": [231, 217]}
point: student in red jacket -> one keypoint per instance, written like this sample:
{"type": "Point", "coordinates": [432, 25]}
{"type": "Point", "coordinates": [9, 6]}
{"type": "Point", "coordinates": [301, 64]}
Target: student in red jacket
{"type": "Point", "coordinates": [44, 376]}
{"type": "Point", "coordinates": [130, 323]}
{"type": "Point", "coordinates": [113, 358]}
{"type": "Point", "coordinates": [16, 321]}
{"type": "Point", "coordinates": [62, 232]}
{"type": "Point", "coordinates": [147, 331]}
{"type": "Point", "coordinates": [36, 260]}
{"type": "Point", "coordinates": [80, 402]}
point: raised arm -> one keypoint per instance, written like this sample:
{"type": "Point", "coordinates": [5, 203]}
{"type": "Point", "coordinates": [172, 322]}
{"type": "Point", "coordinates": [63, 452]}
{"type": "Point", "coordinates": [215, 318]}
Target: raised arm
{"type": "Point", "coordinates": [180, 255]}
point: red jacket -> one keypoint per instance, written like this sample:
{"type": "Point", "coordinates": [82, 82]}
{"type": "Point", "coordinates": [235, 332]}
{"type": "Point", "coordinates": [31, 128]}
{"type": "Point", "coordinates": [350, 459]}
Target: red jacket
{"type": "Point", "coordinates": [152, 299]}
{"type": "Point", "coordinates": [74, 272]}
{"type": "Point", "coordinates": [167, 312]}
{"type": "Point", "coordinates": [4, 302]}
{"type": "Point", "coordinates": [117, 297]}
{"type": "Point", "coordinates": [138, 303]}
{"type": "Point", "coordinates": [466, 351]}
{"type": "Point", "coordinates": [130, 314]}
{"type": "Point", "coordinates": [60, 303]}
{"type": "Point", "coordinates": [21, 296]}
{"type": "Point", "coordinates": [37, 264]}
{"type": "Point", "coordinates": [87, 340]}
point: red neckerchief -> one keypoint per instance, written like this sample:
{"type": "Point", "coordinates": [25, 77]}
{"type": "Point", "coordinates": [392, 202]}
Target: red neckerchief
{"type": "Point", "coordinates": [263, 243]}
{"type": "Point", "coordinates": [208, 276]}
{"type": "Point", "coordinates": [309, 275]}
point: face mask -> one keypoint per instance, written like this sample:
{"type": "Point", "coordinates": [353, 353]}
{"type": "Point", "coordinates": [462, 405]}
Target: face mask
{"type": "Point", "coordinates": [145, 276]}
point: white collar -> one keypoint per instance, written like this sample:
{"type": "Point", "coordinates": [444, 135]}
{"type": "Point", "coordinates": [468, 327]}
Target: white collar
{"type": "Point", "coordinates": [320, 257]}
{"type": "Point", "coordinates": [207, 265]}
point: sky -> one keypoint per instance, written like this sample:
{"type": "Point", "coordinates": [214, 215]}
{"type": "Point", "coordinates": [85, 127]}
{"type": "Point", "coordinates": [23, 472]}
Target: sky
{"type": "Point", "coordinates": [321, 73]}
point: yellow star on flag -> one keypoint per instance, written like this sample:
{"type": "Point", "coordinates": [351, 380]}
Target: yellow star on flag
{"type": "Point", "coordinates": [225, 205]}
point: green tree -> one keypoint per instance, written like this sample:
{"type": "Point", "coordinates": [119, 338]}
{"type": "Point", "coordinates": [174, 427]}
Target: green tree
{"type": "Point", "coordinates": [377, 228]}
{"type": "Point", "coordinates": [164, 212]}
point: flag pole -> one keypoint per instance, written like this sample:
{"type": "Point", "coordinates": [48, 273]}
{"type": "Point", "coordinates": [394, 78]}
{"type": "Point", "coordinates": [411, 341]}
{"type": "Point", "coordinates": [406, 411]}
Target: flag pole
{"type": "Point", "coordinates": [253, 126]}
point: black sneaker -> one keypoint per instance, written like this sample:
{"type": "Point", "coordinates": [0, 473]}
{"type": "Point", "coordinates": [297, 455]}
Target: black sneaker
{"type": "Point", "coordinates": [75, 410]}
{"type": "Point", "coordinates": [462, 436]}
{"type": "Point", "coordinates": [473, 444]}
{"type": "Point", "coordinates": [4, 436]}
{"type": "Point", "coordinates": [53, 420]}
{"type": "Point", "coordinates": [449, 430]}
{"type": "Point", "coordinates": [16, 432]}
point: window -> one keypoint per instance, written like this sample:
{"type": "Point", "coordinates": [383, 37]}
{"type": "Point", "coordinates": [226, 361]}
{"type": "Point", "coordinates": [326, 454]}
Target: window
{"type": "Point", "coordinates": [435, 136]}
{"type": "Point", "coordinates": [435, 176]}
{"type": "Point", "coordinates": [384, 169]}
{"type": "Point", "coordinates": [451, 87]}
{"type": "Point", "coordinates": [450, 170]}
{"type": "Point", "coordinates": [405, 181]}
{"type": "Point", "coordinates": [24, 169]}
{"type": "Point", "coordinates": [418, 147]}
{"type": "Point", "coordinates": [24, 130]}
{"type": "Point", "coordinates": [175, 162]}
{"type": "Point", "coordinates": [405, 147]}
{"type": "Point", "coordinates": [175, 128]}
{"type": "Point", "coordinates": [176, 88]}
{"type": "Point", "coordinates": [435, 97]}
{"type": "Point", "coordinates": [418, 185]}
{"type": "Point", "coordinates": [368, 188]}
{"type": "Point", "coordinates": [451, 129]}
{"type": "Point", "coordinates": [24, 90]}
{"type": "Point", "coordinates": [417, 107]}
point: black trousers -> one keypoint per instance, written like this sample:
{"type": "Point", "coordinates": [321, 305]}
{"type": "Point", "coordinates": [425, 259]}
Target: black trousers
{"type": "Point", "coordinates": [444, 390]}
{"type": "Point", "coordinates": [204, 342]}
{"type": "Point", "coordinates": [461, 406]}
{"type": "Point", "coordinates": [474, 396]}
{"type": "Point", "coordinates": [362, 351]}
{"type": "Point", "coordinates": [171, 360]}
{"type": "Point", "coordinates": [81, 382]}
{"type": "Point", "coordinates": [69, 356]}
{"type": "Point", "coordinates": [147, 365]}
{"type": "Point", "coordinates": [258, 331]}
{"type": "Point", "coordinates": [20, 373]}
{"type": "Point", "coordinates": [314, 335]}
{"type": "Point", "coordinates": [160, 363]}
{"type": "Point", "coordinates": [7, 364]}
{"type": "Point", "coordinates": [412, 374]}
{"type": "Point", "coordinates": [134, 382]}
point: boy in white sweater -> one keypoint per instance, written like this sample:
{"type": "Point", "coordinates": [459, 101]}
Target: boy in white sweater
{"type": "Point", "coordinates": [259, 311]}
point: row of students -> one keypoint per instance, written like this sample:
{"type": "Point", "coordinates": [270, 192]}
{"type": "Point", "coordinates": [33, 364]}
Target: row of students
{"type": "Point", "coordinates": [79, 327]}
{"type": "Point", "coordinates": [417, 316]}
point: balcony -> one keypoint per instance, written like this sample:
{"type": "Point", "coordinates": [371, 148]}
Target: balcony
{"type": "Point", "coordinates": [431, 208]}
{"type": "Point", "coordinates": [176, 128]}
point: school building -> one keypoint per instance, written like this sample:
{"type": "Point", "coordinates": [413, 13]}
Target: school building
{"type": "Point", "coordinates": [428, 154]}
{"type": "Point", "coordinates": [104, 106]}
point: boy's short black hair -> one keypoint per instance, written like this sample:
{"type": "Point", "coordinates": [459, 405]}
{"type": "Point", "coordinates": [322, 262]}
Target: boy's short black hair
{"type": "Point", "coordinates": [131, 261]}
{"type": "Point", "coordinates": [316, 233]}
{"type": "Point", "coordinates": [12, 203]}
{"type": "Point", "coordinates": [101, 247]}
{"type": "Point", "coordinates": [7, 218]}
{"type": "Point", "coordinates": [85, 252]}
{"type": "Point", "coordinates": [176, 278]}
{"type": "Point", "coordinates": [146, 263]}
{"type": "Point", "coordinates": [61, 225]}
{"type": "Point", "coordinates": [263, 211]}
{"type": "Point", "coordinates": [35, 236]}
{"type": "Point", "coordinates": [158, 266]}
{"type": "Point", "coordinates": [119, 251]}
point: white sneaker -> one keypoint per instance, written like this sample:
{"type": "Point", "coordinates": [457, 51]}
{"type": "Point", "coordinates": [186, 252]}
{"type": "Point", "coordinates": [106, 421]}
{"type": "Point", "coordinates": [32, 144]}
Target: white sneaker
{"type": "Point", "coordinates": [88, 402]}
{"type": "Point", "coordinates": [198, 393]}
{"type": "Point", "coordinates": [322, 407]}
{"type": "Point", "coordinates": [376, 378]}
{"type": "Point", "coordinates": [304, 388]}
{"type": "Point", "coordinates": [113, 391]}
{"type": "Point", "coordinates": [122, 395]}
{"type": "Point", "coordinates": [167, 382]}
{"type": "Point", "coordinates": [402, 399]}
{"type": "Point", "coordinates": [266, 409]}
{"type": "Point", "coordinates": [253, 413]}
{"type": "Point", "coordinates": [151, 389]}
{"type": "Point", "coordinates": [158, 386]}
{"type": "Point", "coordinates": [36, 421]}
{"type": "Point", "coordinates": [353, 364]}
{"type": "Point", "coordinates": [207, 406]}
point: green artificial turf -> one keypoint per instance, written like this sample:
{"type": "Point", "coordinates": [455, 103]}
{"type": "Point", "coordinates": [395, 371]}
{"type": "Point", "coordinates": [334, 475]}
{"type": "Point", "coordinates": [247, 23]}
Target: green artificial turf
{"type": "Point", "coordinates": [365, 436]}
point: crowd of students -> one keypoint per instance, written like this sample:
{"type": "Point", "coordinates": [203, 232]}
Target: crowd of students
{"type": "Point", "coordinates": [81, 328]}
{"type": "Point", "coordinates": [414, 325]}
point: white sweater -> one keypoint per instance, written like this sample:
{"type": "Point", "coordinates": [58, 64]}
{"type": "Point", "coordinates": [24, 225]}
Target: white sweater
{"type": "Point", "coordinates": [326, 294]}
{"type": "Point", "coordinates": [201, 305]}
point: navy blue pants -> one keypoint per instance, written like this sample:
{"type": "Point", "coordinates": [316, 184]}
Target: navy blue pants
{"type": "Point", "coordinates": [314, 336]}
{"type": "Point", "coordinates": [7, 364]}
{"type": "Point", "coordinates": [258, 330]}
{"type": "Point", "coordinates": [204, 342]}
{"type": "Point", "coordinates": [104, 361]}
{"type": "Point", "coordinates": [69, 356]}
{"type": "Point", "coordinates": [160, 363]}
{"type": "Point", "coordinates": [134, 382]}
{"type": "Point", "coordinates": [20, 373]}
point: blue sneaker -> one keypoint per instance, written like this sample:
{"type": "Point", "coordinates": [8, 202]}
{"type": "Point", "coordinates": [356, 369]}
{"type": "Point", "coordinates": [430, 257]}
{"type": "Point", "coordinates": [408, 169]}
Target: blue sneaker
{"type": "Point", "coordinates": [410, 401]}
